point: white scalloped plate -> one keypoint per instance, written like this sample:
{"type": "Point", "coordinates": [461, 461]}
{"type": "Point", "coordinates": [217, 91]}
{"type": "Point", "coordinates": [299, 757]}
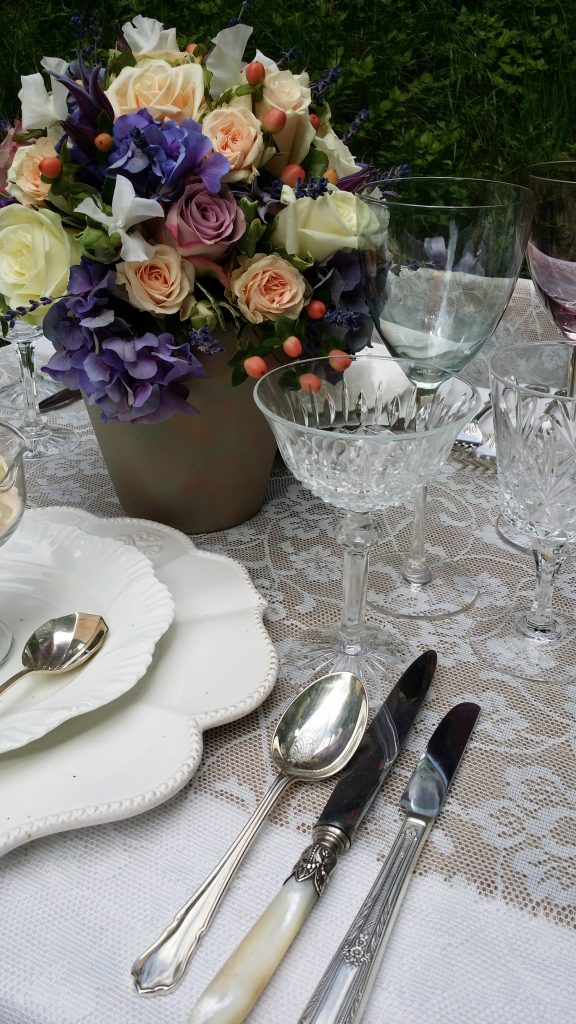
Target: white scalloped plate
{"type": "Point", "coordinates": [50, 569]}
{"type": "Point", "coordinates": [215, 664]}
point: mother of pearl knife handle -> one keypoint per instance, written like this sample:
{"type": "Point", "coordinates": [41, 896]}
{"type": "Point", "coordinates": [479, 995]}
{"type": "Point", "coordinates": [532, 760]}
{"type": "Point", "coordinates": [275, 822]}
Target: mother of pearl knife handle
{"type": "Point", "coordinates": [344, 989]}
{"type": "Point", "coordinates": [230, 996]}
{"type": "Point", "coordinates": [162, 966]}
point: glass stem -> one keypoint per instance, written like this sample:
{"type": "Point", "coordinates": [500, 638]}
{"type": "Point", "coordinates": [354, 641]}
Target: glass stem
{"type": "Point", "coordinates": [357, 535]}
{"type": "Point", "coordinates": [415, 569]}
{"type": "Point", "coordinates": [539, 622]}
{"type": "Point", "coordinates": [571, 384]}
{"type": "Point", "coordinates": [32, 417]}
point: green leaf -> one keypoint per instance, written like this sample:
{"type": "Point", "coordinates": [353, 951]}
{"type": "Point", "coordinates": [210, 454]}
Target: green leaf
{"type": "Point", "coordinates": [249, 208]}
{"type": "Point", "coordinates": [315, 163]}
{"type": "Point", "coordinates": [104, 123]}
{"type": "Point", "coordinates": [249, 241]}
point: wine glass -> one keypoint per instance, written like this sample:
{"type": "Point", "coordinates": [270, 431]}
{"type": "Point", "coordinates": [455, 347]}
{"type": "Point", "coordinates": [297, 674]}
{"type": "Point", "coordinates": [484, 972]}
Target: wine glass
{"type": "Point", "coordinates": [438, 276]}
{"type": "Point", "coordinates": [551, 255]}
{"type": "Point", "coordinates": [357, 438]}
{"type": "Point", "coordinates": [42, 439]}
{"type": "Point", "coordinates": [12, 502]}
{"type": "Point", "coordinates": [535, 424]}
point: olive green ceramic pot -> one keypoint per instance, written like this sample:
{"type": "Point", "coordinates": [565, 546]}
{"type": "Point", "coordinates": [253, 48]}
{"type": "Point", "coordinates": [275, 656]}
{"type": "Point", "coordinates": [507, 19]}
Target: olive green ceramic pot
{"type": "Point", "coordinates": [197, 473]}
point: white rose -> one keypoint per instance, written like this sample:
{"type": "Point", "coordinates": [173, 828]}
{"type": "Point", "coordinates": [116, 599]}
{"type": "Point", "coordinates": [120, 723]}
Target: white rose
{"type": "Point", "coordinates": [290, 93]}
{"type": "Point", "coordinates": [167, 92]}
{"type": "Point", "coordinates": [339, 156]}
{"type": "Point", "coordinates": [36, 254]}
{"type": "Point", "coordinates": [320, 227]}
{"type": "Point", "coordinates": [237, 134]}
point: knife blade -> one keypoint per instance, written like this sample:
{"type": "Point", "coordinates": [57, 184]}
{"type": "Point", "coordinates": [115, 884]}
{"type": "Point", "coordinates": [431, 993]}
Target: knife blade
{"type": "Point", "coordinates": [60, 399]}
{"type": "Point", "coordinates": [233, 992]}
{"type": "Point", "coordinates": [344, 989]}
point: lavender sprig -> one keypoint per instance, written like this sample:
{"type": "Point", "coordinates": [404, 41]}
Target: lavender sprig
{"type": "Point", "coordinates": [243, 9]}
{"type": "Point", "coordinates": [321, 87]}
{"type": "Point", "coordinates": [9, 316]}
{"type": "Point", "coordinates": [337, 317]}
{"type": "Point", "coordinates": [203, 339]}
{"type": "Point", "coordinates": [287, 56]}
{"type": "Point", "coordinates": [358, 122]}
{"type": "Point", "coordinates": [312, 189]}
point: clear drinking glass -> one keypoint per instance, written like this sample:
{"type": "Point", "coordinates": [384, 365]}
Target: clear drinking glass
{"type": "Point", "coordinates": [361, 442]}
{"type": "Point", "coordinates": [42, 439]}
{"type": "Point", "coordinates": [535, 424]}
{"type": "Point", "coordinates": [12, 502]}
{"type": "Point", "coordinates": [438, 277]}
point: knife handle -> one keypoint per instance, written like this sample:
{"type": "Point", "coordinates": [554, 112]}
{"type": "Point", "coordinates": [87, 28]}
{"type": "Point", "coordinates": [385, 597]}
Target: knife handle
{"type": "Point", "coordinates": [162, 965]}
{"type": "Point", "coordinates": [238, 985]}
{"type": "Point", "coordinates": [344, 989]}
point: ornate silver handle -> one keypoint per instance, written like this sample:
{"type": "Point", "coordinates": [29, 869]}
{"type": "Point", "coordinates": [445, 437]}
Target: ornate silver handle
{"type": "Point", "coordinates": [162, 966]}
{"type": "Point", "coordinates": [344, 989]}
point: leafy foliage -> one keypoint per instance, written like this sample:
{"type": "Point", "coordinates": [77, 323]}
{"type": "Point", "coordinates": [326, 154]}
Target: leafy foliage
{"type": "Point", "coordinates": [478, 89]}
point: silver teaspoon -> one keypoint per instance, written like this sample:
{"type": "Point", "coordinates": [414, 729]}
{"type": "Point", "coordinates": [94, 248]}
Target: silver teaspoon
{"type": "Point", "coordinates": [316, 736]}
{"type": "Point", "coordinates": [61, 644]}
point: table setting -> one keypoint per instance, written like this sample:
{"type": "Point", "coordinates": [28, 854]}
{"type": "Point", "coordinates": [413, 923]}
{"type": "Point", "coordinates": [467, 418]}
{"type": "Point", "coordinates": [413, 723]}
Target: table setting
{"type": "Point", "coordinates": [288, 650]}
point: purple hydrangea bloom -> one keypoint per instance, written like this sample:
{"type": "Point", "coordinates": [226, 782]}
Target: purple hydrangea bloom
{"type": "Point", "coordinates": [159, 158]}
{"type": "Point", "coordinates": [129, 372]}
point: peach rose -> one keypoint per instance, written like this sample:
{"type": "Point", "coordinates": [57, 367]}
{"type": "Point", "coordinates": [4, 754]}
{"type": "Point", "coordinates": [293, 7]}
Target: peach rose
{"type": "Point", "coordinates": [167, 92]}
{"type": "Point", "coordinates": [237, 134]}
{"type": "Point", "coordinates": [266, 287]}
{"type": "Point", "coordinates": [161, 284]}
{"type": "Point", "coordinates": [24, 182]}
{"type": "Point", "coordinates": [290, 93]}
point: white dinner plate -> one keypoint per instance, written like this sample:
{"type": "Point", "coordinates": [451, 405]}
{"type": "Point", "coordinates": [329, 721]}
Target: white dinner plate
{"type": "Point", "coordinates": [216, 663]}
{"type": "Point", "coordinates": [51, 569]}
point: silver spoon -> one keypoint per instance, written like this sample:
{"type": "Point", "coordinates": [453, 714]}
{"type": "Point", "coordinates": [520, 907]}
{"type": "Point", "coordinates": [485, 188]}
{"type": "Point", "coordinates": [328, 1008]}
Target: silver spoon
{"type": "Point", "coordinates": [316, 736]}
{"type": "Point", "coordinates": [61, 644]}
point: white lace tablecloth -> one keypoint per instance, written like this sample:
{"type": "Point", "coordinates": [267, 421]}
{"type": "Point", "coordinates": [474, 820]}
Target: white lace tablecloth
{"type": "Point", "coordinates": [487, 932]}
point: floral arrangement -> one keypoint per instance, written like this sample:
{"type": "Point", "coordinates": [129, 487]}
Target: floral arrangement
{"type": "Point", "coordinates": [150, 200]}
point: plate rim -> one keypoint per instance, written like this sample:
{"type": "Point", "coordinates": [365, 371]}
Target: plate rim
{"type": "Point", "coordinates": [117, 810]}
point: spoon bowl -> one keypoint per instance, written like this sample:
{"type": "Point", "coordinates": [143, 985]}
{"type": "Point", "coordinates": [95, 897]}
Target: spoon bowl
{"type": "Point", "coordinates": [61, 644]}
{"type": "Point", "coordinates": [316, 736]}
{"type": "Point", "coordinates": [322, 727]}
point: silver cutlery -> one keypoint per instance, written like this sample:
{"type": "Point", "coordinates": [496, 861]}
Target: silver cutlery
{"type": "Point", "coordinates": [230, 996]}
{"type": "Point", "coordinates": [315, 737]}
{"type": "Point", "coordinates": [60, 399]}
{"type": "Point", "coordinates": [344, 989]}
{"type": "Point", "coordinates": [472, 434]}
{"type": "Point", "coordinates": [61, 644]}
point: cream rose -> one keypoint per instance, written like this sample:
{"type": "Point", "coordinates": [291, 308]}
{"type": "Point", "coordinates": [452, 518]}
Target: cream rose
{"type": "Point", "coordinates": [237, 134]}
{"type": "Point", "coordinates": [266, 287]}
{"type": "Point", "coordinates": [290, 93]}
{"type": "Point", "coordinates": [339, 156]}
{"type": "Point", "coordinates": [320, 227]}
{"type": "Point", "coordinates": [167, 92]}
{"type": "Point", "coordinates": [36, 254]}
{"type": "Point", "coordinates": [160, 284]}
{"type": "Point", "coordinates": [24, 181]}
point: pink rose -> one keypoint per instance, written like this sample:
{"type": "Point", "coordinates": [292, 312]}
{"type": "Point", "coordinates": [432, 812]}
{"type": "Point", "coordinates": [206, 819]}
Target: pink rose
{"type": "Point", "coordinates": [203, 226]}
{"type": "Point", "coordinates": [161, 284]}
{"type": "Point", "coordinates": [24, 175]}
{"type": "Point", "coordinates": [237, 134]}
{"type": "Point", "coordinates": [267, 287]}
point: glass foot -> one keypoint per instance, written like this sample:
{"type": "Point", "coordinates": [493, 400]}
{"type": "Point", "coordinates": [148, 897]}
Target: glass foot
{"type": "Point", "coordinates": [378, 661]}
{"type": "Point", "coordinates": [50, 441]}
{"type": "Point", "coordinates": [12, 395]}
{"type": "Point", "coordinates": [448, 593]}
{"type": "Point", "coordinates": [449, 526]}
{"type": "Point", "coordinates": [512, 535]}
{"type": "Point", "coordinates": [512, 648]}
{"type": "Point", "coordinates": [6, 641]}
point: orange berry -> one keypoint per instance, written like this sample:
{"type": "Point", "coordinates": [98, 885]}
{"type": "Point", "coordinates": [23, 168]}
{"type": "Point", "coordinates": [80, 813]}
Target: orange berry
{"type": "Point", "coordinates": [51, 167]}
{"type": "Point", "coordinates": [255, 366]}
{"type": "Point", "coordinates": [104, 142]}
{"type": "Point", "coordinates": [292, 174]}
{"type": "Point", "coordinates": [332, 176]}
{"type": "Point", "coordinates": [316, 309]}
{"type": "Point", "coordinates": [310, 382]}
{"type": "Point", "coordinates": [315, 121]}
{"type": "Point", "coordinates": [292, 346]}
{"type": "Point", "coordinates": [191, 47]}
{"type": "Point", "coordinates": [255, 72]}
{"type": "Point", "coordinates": [339, 360]}
{"type": "Point", "coordinates": [274, 121]}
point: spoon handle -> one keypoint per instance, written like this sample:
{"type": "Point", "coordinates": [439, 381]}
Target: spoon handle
{"type": "Point", "coordinates": [17, 675]}
{"type": "Point", "coordinates": [162, 966]}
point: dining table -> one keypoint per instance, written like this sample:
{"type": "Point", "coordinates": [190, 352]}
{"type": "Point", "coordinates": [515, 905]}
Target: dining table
{"type": "Point", "coordinates": [486, 933]}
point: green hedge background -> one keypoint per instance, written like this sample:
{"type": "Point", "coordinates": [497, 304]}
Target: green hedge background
{"type": "Point", "coordinates": [481, 89]}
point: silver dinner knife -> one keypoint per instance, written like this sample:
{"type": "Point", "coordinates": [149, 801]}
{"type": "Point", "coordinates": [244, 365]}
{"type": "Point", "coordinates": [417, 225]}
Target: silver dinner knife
{"type": "Point", "coordinates": [344, 989]}
{"type": "Point", "coordinates": [231, 995]}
